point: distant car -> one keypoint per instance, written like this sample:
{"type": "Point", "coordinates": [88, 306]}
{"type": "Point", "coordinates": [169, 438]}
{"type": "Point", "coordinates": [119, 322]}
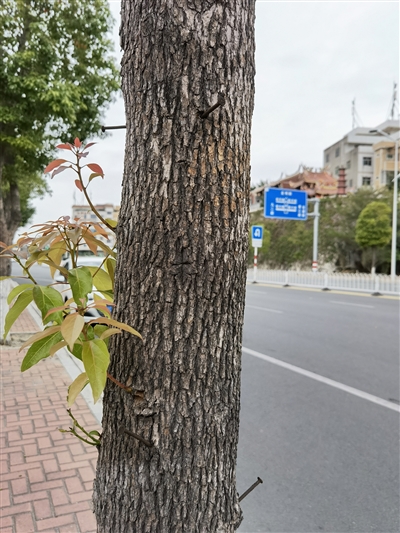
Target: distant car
{"type": "Point", "coordinates": [85, 258]}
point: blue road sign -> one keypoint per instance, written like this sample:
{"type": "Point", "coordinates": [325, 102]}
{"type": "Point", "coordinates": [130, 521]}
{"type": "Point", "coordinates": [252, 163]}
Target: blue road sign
{"type": "Point", "coordinates": [256, 236]}
{"type": "Point", "coordinates": [288, 204]}
{"type": "Point", "coordinates": [256, 232]}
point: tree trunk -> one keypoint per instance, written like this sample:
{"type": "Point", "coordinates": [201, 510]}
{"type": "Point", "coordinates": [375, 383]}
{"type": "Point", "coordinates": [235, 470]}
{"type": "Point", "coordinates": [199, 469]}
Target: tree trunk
{"type": "Point", "coordinates": [373, 261]}
{"type": "Point", "coordinates": [181, 274]}
{"type": "Point", "coordinates": [10, 218]}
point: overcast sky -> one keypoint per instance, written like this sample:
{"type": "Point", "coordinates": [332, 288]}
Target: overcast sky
{"type": "Point", "coordinates": [312, 59]}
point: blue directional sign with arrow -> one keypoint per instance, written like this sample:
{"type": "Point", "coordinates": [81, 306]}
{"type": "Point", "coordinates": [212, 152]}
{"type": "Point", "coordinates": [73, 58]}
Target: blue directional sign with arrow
{"type": "Point", "coordinates": [288, 204]}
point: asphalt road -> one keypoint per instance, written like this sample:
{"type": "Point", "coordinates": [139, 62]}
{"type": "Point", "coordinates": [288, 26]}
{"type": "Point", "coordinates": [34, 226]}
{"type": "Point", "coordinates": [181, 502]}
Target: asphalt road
{"type": "Point", "coordinates": [328, 457]}
{"type": "Point", "coordinates": [40, 273]}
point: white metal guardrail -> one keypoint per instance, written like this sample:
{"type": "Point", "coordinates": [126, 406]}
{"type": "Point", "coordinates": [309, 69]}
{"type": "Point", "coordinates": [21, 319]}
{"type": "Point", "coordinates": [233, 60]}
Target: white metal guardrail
{"type": "Point", "coordinates": [373, 284]}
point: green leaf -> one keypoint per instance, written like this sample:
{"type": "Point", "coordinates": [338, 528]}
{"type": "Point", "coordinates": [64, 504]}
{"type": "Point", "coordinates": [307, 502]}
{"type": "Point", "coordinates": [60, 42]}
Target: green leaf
{"type": "Point", "coordinates": [77, 348]}
{"type": "Point", "coordinates": [35, 257]}
{"type": "Point", "coordinates": [94, 175]}
{"type": "Point", "coordinates": [115, 323]}
{"type": "Point", "coordinates": [23, 300]}
{"type": "Point", "coordinates": [101, 279]}
{"type": "Point", "coordinates": [109, 332]}
{"type": "Point", "coordinates": [105, 332]}
{"type": "Point", "coordinates": [76, 351]}
{"type": "Point", "coordinates": [58, 346]}
{"type": "Point", "coordinates": [90, 334]}
{"type": "Point", "coordinates": [37, 336]}
{"type": "Point", "coordinates": [39, 350]}
{"type": "Point", "coordinates": [17, 290]}
{"type": "Point", "coordinates": [99, 330]}
{"type": "Point", "coordinates": [113, 223]}
{"type": "Point", "coordinates": [77, 387]}
{"type": "Point", "coordinates": [47, 298]}
{"type": "Point", "coordinates": [81, 282]}
{"type": "Point", "coordinates": [96, 359]}
{"type": "Point", "coordinates": [109, 295]}
{"type": "Point", "coordinates": [71, 328]}
{"type": "Point", "coordinates": [110, 266]}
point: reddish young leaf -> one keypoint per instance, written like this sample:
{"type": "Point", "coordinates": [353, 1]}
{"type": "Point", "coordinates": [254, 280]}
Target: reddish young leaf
{"type": "Point", "coordinates": [78, 184]}
{"type": "Point", "coordinates": [88, 145]}
{"type": "Point", "coordinates": [54, 164]}
{"type": "Point", "coordinates": [77, 142]}
{"type": "Point", "coordinates": [58, 170]}
{"type": "Point", "coordinates": [58, 239]}
{"type": "Point", "coordinates": [91, 243]}
{"type": "Point", "coordinates": [99, 230]}
{"type": "Point", "coordinates": [64, 146]}
{"type": "Point", "coordinates": [96, 168]}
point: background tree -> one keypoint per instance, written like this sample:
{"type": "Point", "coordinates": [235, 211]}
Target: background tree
{"type": "Point", "coordinates": [291, 241]}
{"type": "Point", "coordinates": [287, 242]}
{"type": "Point", "coordinates": [339, 215]}
{"type": "Point", "coordinates": [373, 228]}
{"type": "Point", "coordinates": [181, 269]}
{"type": "Point", "coordinates": [56, 76]}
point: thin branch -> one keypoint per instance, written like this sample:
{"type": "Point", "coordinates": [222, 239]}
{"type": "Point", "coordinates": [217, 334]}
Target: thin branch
{"type": "Point", "coordinates": [26, 270]}
{"type": "Point", "coordinates": [76, 423]}
{"type": "Point", "coordinates": [102, 263]}
{"type": "Point", "coordinates": [89, 200]}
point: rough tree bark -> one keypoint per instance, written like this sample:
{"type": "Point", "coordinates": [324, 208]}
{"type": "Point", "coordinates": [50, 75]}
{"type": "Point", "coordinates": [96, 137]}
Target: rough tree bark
{"type": "Point", "coordinates": [181, 273]}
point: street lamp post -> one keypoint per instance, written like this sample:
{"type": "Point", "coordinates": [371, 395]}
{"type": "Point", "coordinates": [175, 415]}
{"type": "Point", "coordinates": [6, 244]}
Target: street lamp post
{"type": "Point", "coordinates": [395, 195]}
{"type": "Point", "coordinates": [394, 214]}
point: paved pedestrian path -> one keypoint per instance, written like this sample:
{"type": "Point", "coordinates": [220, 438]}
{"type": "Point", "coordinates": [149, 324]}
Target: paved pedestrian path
{"type": "Point", "coordinates": [46, 476]}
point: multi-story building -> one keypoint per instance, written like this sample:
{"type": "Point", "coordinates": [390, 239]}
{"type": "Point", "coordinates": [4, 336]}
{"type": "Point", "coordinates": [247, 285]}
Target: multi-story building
{"type": "Point", "coordinates": [384, 163]}
{"type": "Point", "coordinates": [84, 212]}
{"type": "Point", "coordinates": [358, 151]}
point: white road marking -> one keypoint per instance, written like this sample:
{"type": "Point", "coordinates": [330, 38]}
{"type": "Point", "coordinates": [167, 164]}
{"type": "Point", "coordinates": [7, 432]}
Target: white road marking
{"type": "Point", "coordinates": [348, 303]}
{"type": "Point", "coordinates": [327, 381]}
{"type": "Point", "coordinates": [264, 309]}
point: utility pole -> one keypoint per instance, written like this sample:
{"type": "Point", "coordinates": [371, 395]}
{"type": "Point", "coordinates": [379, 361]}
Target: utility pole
{"type": "Point", "coordinates": [396, 141]}
{"type": "Point", "coordinates": [393, 262]}
{"type": "Point", "coordinates": [315, 214]}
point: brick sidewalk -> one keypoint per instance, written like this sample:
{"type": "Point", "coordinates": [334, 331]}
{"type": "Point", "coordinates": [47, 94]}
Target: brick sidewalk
{"type": "Point", "coordinates": [46, 476]}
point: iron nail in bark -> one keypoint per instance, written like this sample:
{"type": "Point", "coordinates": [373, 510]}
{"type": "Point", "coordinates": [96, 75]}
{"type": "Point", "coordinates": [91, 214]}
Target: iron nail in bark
{"type": "Point", "coordinates": [254, 485]}
{"type": "Point", "coordinates": [220, 101]}
{"type": "Point", "coordinates": [138, 437]}
{"type": "Point", "coordinates": [104, 128]}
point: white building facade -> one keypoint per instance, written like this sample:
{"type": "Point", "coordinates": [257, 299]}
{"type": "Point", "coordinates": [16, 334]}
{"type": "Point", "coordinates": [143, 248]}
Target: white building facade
{"type": "Point", "coordinates": [84, 212]}
{"type": "Point", "coordinates": [357, 153]}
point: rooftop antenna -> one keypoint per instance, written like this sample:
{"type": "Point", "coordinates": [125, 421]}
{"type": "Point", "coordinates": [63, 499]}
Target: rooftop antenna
{"type": "Point", "coordinates": [355, 118]}
{"type": "Point", "coordinates": [394, 105]}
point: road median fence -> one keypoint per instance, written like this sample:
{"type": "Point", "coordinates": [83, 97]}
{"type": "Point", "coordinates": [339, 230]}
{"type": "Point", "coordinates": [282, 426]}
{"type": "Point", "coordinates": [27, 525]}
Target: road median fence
{"type": "Point", "coordinates": [366, 283]}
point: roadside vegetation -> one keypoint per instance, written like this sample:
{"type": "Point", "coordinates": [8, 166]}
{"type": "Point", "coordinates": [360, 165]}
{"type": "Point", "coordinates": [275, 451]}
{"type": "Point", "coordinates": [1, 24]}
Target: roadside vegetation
{"type": "Point", "coordinates": [288, 244]}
